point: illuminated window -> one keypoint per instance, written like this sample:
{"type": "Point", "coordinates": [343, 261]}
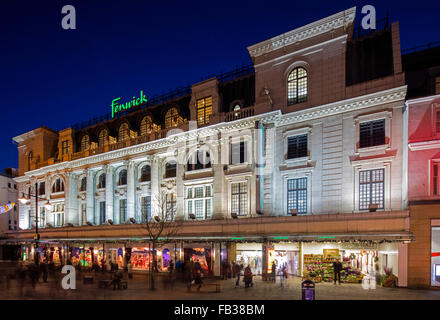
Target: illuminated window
{"type": "Point", "coordinates": [297, 146]}
{"type": "Point", "coordinates": [58, 215]}
{"type": "Point", "coordinates": [204, 110]}
{"type": "Point", "coordinates": [435, 179]}
{"type": "Point", "coordinates": [65, 147]}
{"type": "Point", "coordinates": [123, 133]}
{"type": "Point", "coordinates": [147, 126]}
{"type": "Point", "coordinates": [101, 181]}
{"type": "Point", "coordinates": [199, 160]}
{"type": "Point", "coordinates": [58, 186]}
{"type": "Point", "coordinates": [201, 203]}
{"type": "Point", "coordinates": [146, 173]}
{"type": "Point", "coordinates": [172, 118]}
{"type": "Point", "coordinates": [297, 195]}
{"type": "Point", "coordinates": [239, 196]}
{"type": "Point", "coordinates": [85, 143]}
{"type": "Point", "coordinates": [371, 188]}
{"type": "Point", "coordinates": [42, 217]}
{"type": "Point", "coordinates": [103, 138]}
{"type": "Point", "coordinates": [102, 212]}
{"type": "Point", "coordinates": [372, 133]}
{"type": "Point", "coordinates": [84, 213]}
{"type": "Point", "coordinates": [297, 86]}
{"type": "Point", "coordinates": [122, 177]}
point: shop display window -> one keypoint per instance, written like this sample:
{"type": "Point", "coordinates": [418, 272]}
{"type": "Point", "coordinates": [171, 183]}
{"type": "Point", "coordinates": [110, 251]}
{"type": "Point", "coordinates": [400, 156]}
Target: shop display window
{"type": "Point", "coordinates": [435, 256]}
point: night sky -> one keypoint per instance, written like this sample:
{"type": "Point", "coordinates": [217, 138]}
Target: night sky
{"type": "Point", "coordinates": [54, 77]}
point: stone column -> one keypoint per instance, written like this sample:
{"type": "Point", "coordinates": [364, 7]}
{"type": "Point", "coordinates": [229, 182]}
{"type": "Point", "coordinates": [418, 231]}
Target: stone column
{"type": "Point", "coordinates": [130, 190]}
{"type": "Point", "coordinates": [71, 199]}
{"type": "Point", "coordinates": [217, 258]}
{"type": "Point", "coordinates": [109, 192]}
{"type": "Point", "coordinates": [155, 183]}
{"type": "Point", "coordinates": [220, 194]}
{"type": "Point", "coordinates": [90, 196]}
{"type": "Point", "coordinates": [180, 202]}
{"type": "Point", "coordinates": [33, 206]}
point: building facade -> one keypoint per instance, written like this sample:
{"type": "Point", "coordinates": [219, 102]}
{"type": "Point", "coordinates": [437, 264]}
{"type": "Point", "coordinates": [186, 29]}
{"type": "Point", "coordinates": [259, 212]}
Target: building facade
{"type": "Point", "coordinates": [299, 157]}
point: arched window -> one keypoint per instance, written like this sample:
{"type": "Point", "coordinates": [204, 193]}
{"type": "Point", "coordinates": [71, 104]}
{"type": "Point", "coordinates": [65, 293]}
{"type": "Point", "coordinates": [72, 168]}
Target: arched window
{"type": "Point", "coordinates": [101, 181]}
{"type": "Point", "coordinates": [58, 185]}
{"type": "Point", "coordinates": [297, 86]}
{"type": "Point", "coordinates": [83, 184]}
{"type": "Point", "coordinates": [172, 118]}
{"type": "Point", "coordinates": [30, 156]}
{"type": "Point", "coordinates": [170, 169]}
{"type": "Point", "coordinates": [147, 126]}
{"type": "Point", "coordinates": [85, 143]}
{"type": "Point", "coordinates": [122, 177]}
{"type": "Point", "coordinates": [123, 133]}
{"type": "Point", "coordinates": [103, 138]}
{"type": "Point", "coordinates": [200, 159]}
{"type": "Point", "coordinates": [146, 173]}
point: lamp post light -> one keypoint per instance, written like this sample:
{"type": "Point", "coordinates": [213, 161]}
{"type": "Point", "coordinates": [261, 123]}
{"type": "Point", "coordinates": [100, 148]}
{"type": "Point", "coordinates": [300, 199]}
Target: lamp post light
{"type": "Point", "coordinates": [24, 200]}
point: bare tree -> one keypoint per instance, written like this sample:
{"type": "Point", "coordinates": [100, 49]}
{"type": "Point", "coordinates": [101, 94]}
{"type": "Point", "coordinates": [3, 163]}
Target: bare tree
{"type": "Point", "coordinates": [161, 226]}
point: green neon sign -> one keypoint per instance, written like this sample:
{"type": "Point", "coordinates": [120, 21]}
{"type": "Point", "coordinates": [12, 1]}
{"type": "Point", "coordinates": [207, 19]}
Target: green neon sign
{"type": "Point", "coordinates": [326, 237]}
{"type": "Point", "coordinates": [136, 102]}
{"type": "Point", "coordinates": [237, 238]}
{"type": "Point", "coordinates": [281, 238]}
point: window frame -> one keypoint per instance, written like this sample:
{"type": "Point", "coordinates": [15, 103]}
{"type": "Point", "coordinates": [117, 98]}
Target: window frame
{"type": "Point", "coordinates": [297, 190]}
{"type": "Point", "coordinates": [198, 165]}
{"type": "Point", "coordinates": [370, 183]}
{"type": "Point", "coordinates": [294, 84]}
{"type": "Point", "coordinates": [204, 105]}
{"type": "Point", "coordinates": [190, 201]}
{"type": "Point", "coordinates": [239, 194]}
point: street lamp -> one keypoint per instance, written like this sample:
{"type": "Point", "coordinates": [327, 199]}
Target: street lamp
{"type": "Point", "coordinates": [24, 200]}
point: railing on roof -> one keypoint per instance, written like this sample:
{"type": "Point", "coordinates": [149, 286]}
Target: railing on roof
{"type": "Point", "coordinates": [421, 47]}
{"type": "Point", "coordinates": [381, 25]}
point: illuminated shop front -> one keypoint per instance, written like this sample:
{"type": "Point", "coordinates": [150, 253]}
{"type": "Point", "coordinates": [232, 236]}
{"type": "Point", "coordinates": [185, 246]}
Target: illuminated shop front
{"type": "Point", "coordinates": [201, 253]}
{"type": "Point", "coordinates": [435, 256]}
{"type": "Point", "coordinates": [358, 260]}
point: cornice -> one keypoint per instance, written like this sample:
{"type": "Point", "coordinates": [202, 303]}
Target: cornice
{"type": "Point", "coordinates": [357, 103]}
{"type": "Point", "coordinates": [153, 145]}
{"type": "Point", "coordinates": [338, 20]}
{"type": "Point", "coordinates": [424, 145]}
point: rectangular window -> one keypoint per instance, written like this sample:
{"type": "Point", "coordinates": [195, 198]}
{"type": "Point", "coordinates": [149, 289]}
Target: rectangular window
{"type": "Point", "coordinates": [122, 210]}
{"type": "Point", "coordinates": [437, 122]}
{"type": "Point", "coordinates": [146, 208]}
{"type": "Point", "coordinates": [198, 201]}
{"type": "Point", "coordinates": [171, 206]}
{"type": "Point", "coordinates": [84, 213]}
{"type": "Point", "coordinates": [65, 147]}
{"type": "Point", "coordinates": [204, 110]}
{"type": "Point", "coordinates": [239, 198]}
{"type": "Point", "coordinates": [297, 195]}
{"type": "Point", "coordinates": [29, 219]}
{"type": "Point", "coordinates": [101, 212]}
{"type": "Point", "coordinates": [42, 217]}
{"type": "Point", "coordinates": [372, 133]}
{"type": "Point", "coordinates": [297, 146]}
{"type": "Point", "coordinates": [371, 188]}
{"type": "Point", "coordinates": [435, 179]}
{"type": "Point", "coordinates": [42, 188]}
{"type": "Point", "coordinates": [239, 152]}
{"type": "Point", "coordinates": [58, 215]}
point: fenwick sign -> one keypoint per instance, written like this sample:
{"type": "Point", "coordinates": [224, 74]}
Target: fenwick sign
{"type": "Point", "coordinates": [136, 102]}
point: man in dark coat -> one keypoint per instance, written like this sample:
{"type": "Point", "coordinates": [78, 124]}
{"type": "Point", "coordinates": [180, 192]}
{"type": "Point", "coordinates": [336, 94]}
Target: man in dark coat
{"type": "Point", "coordinates": [337, 268]}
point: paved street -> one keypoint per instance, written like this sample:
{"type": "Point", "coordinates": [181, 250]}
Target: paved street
{"type": "Point", "coordinates": [138, 289]}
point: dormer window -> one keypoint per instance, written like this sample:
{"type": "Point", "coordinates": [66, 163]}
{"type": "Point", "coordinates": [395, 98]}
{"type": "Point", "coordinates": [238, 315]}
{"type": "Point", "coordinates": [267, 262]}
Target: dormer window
{"type": "Point", "coordinates": [123, 133]}
{"type": "Point", "coordinates": [85, 143]}
{"type": "Point", "coordinates": [297, 86]}
{"type": "Point", "coordinates": [172, 118]}
{"type": "Point", "coordinates": [204, 110]}
{"type": "Point", "coordinates": [103, 137]}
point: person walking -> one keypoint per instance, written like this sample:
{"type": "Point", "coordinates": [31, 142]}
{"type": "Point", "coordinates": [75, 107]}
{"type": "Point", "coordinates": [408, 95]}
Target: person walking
{"type": "Point", "coordinates": [198, 279]}
{"type": "Point", "coordinates": [247, 277]}
{"type": "Point", "coordinates": [238, 274]}
{"type": "Point", "coordinates": [337, 268]}
{"type": "Point", "coordinates": [274, 269]}
{"type": "Point", "coordinates": [45, 269]}
{"type": "Point", "coordinates": [130, 270]}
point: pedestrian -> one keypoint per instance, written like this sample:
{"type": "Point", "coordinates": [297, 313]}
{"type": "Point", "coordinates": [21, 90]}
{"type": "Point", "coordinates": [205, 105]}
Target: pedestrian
{"type": "Point", "coordinates": [130, 270]}
{"type": "Point", "coordinates": [247, 277]}
{"type": "Point", "coordinates": [117, 276]}
{"type": "Point", "coordinates": [198, 279]}
{"type": "Point", "coordinates": [225, 270]}
{"type": "Point", "coordinates": [274, 269]}
{"type": "Point", "coordinates": [234, 269]}
{"type": "Point", "coordinates": [228, 268]}
{"type": "Point", "coordinates": [337, 268]}
{"type": "Point", "coordinates": [238, 273]}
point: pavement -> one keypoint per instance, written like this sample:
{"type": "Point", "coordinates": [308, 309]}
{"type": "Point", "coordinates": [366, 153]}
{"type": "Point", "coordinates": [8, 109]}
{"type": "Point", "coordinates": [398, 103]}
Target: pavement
{"type": "Point", "coordinates": [138, 289]}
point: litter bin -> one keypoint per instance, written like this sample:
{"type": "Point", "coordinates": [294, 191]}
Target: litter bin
{"type": "Point", "coordinates": [308, 290]}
